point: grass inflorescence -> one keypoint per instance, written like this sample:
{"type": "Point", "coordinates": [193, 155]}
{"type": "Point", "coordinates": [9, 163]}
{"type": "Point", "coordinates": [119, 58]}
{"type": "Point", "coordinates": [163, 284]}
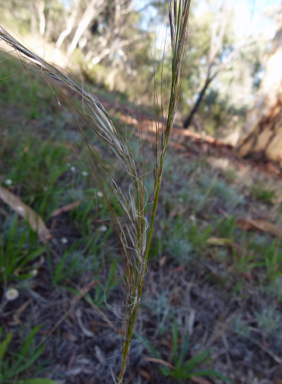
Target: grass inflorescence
{"type": "Point", "coordinates": [201, 261]}
{"type": "Point", "coordinates": [133, 229]}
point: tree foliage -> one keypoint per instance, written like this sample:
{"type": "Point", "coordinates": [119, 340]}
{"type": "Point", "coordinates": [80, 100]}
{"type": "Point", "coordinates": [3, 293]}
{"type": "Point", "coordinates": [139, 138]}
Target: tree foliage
{"type": "Point", "coordinates": [113, 41]}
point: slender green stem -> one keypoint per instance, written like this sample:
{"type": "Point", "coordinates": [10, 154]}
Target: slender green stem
{"type": "Point", "coordinates": [150, 235]}
{"type": "Point", "coordinates": [133, 315]}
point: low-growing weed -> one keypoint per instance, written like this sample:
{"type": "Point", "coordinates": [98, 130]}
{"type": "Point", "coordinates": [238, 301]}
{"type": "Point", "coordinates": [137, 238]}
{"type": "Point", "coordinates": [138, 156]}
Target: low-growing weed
{"type": "Point", "coordinates": [198, 237]}
{"type": "Point", "coordinates": [186, 239]}
{"type": "Point", "coordinates": [275, 288]}
{"type": "Point", "coordinates": [226, 226]}
{"type": "Point", "coordinates": [181, 370]}
{"type": "Point", "coordinates": [101, 293]}
{"type": "Point", "coordinates": [273, 260]}
{"type": "Point", "coordinates": [230, 175]}
{"type": "Point", "coordinates": [269, 320]}
{"type": "Point", "coordinates": [16, 362]}
{"type": "Point", "coordinates": [70, 265]}
{"type": "Point", "coordinates": [229, 196]}
{"type": "Point", "coordinates": [180, 249]}
{"type": "Point", "coordinates": [18, 247]}
{"type": "Point", "coordinates": [269, 255]}
{"type": "Point", "coordinates": [244, 261]}
{"type": "Point", "coordinates": [241, 327]}
{"type": "Point", "coordinates": [266, 195]}
{"type": "Point", "coordinates": [160, 308]}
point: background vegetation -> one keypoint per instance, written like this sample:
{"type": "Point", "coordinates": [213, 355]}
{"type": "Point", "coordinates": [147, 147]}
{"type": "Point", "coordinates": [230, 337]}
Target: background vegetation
{"type": "Point", "coordinates": [212, 300]}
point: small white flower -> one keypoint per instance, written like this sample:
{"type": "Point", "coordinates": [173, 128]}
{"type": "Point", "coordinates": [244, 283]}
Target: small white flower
{"type": "Point", "coordinates": [180, 200]}
{"type": "Point", "coordinates": [72, 169]}
{"type": "Point", "coordinates": [8, 182]}
{"type": "Point", "coordinates": [34, 272]}
{"type": "Point", "coordinates": [84, 173]}
{"type": "Point", "coordinates": [99, 194]}
{"type": "Point", "coordinates": [103, 228]}
{"type": "Point", "coordinates": [64, 240]}
{"type": "Point", "coordinates": [193, 218]}
{"type": "Point", "coordinates": [20, 209]}
{"type": "Point", "coordinates": [11, 294]}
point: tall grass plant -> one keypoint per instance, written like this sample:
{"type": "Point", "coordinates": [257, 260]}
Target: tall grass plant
{"type": "Point", "coordinates": [134, 230]}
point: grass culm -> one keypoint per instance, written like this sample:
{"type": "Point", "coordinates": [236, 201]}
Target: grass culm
{"type": "Point", "coordinates": [134, 229]}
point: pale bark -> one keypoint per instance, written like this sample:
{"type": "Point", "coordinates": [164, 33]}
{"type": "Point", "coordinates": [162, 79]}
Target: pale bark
{"type": "Point", "coordinates": [115, 47]}
{"type": "Point", "coordinates": [93, 9]}
{"type": "Point", "coordinates": [33, 18]}
{"type": "Point", "coordinates": [69, 26]}
{"type": "Point", "coordinates": [41, 15]}
{"type": "Point", "coordinates": [262, 134]}
{"type": "Point", "coordinates": [49, 24]}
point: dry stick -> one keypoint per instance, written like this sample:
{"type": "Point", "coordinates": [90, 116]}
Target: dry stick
{"type": "Point", "coordinates": [74, 302]}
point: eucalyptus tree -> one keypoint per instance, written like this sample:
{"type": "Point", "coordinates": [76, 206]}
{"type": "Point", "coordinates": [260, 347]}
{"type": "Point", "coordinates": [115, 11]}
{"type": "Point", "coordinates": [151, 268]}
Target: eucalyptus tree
{"type": "Point", "coordinates": [262, 135]}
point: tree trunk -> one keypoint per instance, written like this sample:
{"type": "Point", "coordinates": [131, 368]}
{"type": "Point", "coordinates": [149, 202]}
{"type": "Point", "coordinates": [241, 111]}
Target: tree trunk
{"type": "Point", "coordinates": [92, 10]}
{"type": "Point", "coordinates": [189, 119]}
{"type": "Point", "coordinates": [216, 43]}
{"type": "Point", "coordinates": [41, 15]}
{"type": "Point", "coordinates": [69, 26]}
{"type": "Point", "coordinates": [262, 134]}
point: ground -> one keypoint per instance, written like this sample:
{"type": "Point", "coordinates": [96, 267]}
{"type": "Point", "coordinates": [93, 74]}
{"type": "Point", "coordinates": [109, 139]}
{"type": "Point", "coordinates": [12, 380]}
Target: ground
{"type": "Point", "coordinates": [214, 279]}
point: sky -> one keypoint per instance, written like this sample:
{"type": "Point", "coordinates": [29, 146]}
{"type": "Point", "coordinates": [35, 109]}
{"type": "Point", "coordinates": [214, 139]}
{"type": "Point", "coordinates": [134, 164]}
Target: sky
{"type": "Point", "coordinates": [249, 15]}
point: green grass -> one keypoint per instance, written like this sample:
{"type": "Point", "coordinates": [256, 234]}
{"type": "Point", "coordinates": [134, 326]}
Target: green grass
{"type": "Point", "coordinates": [269, 320]}
{"type": "Point", "coordinates": [35, 166]}
{"type": "Point", "coordinates": [260, 192]}
{"type": "Point", "coordinates": [180, 371]}
{"type": "Point", "coordinates": [23, 90]}
{"type": "Point", "coordinates": [37, 157]}
{"type": "Point", "coordinates": [101, 291]}
{"type": "Point", "coordinates": [19, 247]}
{"type": "Point", "coordinates": [15, 361]}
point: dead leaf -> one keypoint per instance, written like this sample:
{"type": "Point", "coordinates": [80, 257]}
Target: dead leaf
{"type": "Point", "coordinates": [222, 212]}
{"type": "Point", "coordinates": [178, 269]}
{"type": "Point", "coordinates": [272, 168]}
{"type": "Point", "coordinates": [200, 380]}
{"type": "Point", "coordinates": [191, 321]}
{"type": "Point", "coordinates": [34, 220]}
{"type": "Point", "coordinates": [99, 355]}
{"type": "Point", "coordinates": [218, 241]}
{"type": "Point", "coordinates": [66, 208]}
{"type": "Point", "coordinates": [144, 373]}
{"type": "Point", "coordinates": [155, 360]}
{"type": "Point", "coordinates": [163, 260]}
{"type": "Point", "coordinates": [19, 311]}
{"type": "Point", "coordinates": [261, 225]}
{"type": "Point", "coordinates": [249, 276]}
{"type": "Point", "coordinates": [84, 330]}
